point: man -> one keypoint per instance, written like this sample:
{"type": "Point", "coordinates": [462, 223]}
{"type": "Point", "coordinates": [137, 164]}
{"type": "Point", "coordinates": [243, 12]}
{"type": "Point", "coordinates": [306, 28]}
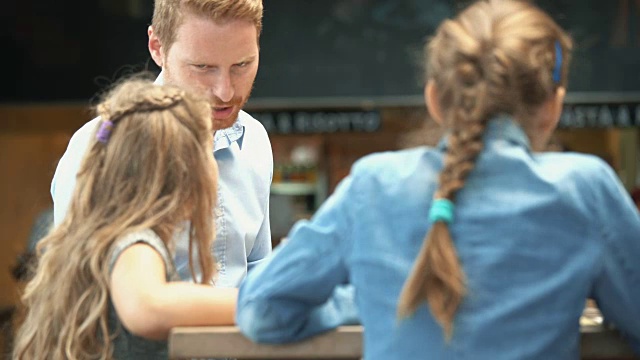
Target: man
{"type": "Point", "coordinates": [209, 47]}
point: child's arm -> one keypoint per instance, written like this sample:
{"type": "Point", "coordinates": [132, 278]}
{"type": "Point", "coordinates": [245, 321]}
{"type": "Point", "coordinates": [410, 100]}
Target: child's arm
{"type": "Point", "coordinates": [149, 306]}
{"type": "Point", "coordinates": [301, 289]}
{"type": "Point", "coordinates": [617, 279]}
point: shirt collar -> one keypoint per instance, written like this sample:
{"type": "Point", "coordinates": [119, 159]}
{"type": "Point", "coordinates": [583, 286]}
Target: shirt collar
{"type": "Point", "coordinates": [501, 127]}
{"type": "Point", "coordinates": [225, 137]}
{"type": "Point", "coordinates": [159, 79]}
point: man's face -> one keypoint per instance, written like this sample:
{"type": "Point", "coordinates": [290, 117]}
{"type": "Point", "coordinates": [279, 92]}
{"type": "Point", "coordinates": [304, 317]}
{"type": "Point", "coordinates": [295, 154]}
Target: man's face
{"type": "Point", "coordinates": [218, 60]}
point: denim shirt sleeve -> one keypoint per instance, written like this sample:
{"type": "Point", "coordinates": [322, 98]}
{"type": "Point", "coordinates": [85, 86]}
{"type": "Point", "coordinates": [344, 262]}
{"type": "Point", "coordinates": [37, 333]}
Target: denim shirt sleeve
{"type": "Point", "coordinates": [617, 285]}
{"type": "Point", "coordinates": [302, 290]}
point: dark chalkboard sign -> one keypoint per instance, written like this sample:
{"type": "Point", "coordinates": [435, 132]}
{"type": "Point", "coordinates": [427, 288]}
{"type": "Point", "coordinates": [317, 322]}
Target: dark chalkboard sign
{"type": "Point", "coordinates": [319, 48]}
{"type": "Point", "coordinates": [314, 53]}
{"type": "Point", "coordinates": [321, 51]}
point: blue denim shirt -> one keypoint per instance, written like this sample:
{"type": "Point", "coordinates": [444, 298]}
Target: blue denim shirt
{"type": "Point", "coordinates": [245, 164]}
{"type": "Point", "coordinates": [536, 235]}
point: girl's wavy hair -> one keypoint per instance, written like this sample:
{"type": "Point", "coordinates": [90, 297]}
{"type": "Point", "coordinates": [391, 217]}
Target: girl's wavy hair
{"type": "Point", "coordinates": [496, 57]}
{"type": "Point", "coordinates": [154, 171]}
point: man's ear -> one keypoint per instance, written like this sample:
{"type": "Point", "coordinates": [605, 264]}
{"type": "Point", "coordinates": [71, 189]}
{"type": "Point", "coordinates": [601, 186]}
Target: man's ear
{"type": "Point", "coordinates": [155, 47]}
{"type": "Point", "coordinates": [431, 99]}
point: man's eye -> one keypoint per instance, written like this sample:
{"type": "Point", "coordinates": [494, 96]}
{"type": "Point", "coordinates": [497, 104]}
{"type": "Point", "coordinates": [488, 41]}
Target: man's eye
{"type": "Point", "coordinates": [200, 66]}
{"type": "Point", "coordinates": [242, 64]}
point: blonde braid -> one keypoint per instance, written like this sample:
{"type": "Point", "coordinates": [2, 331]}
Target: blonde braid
{"type": "Point", "coordinates": [437, 275]}
{"type": "Point", "coordinates": [151, 101]}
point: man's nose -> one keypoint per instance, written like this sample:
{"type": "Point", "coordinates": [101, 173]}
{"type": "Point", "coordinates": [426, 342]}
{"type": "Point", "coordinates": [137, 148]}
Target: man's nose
{"type": "Point", "coordinates": [222, 87]}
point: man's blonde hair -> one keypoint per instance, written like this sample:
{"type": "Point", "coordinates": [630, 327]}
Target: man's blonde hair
{"type": "Point", "coordinates": [168, 15]}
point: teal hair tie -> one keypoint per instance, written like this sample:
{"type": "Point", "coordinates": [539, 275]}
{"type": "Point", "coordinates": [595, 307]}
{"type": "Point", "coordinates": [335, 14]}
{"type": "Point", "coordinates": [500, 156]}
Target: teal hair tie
{"type": "Point", "coordinates": [441, 210]}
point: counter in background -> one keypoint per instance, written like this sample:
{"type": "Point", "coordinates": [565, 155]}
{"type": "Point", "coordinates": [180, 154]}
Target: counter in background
{"type": "Point", "coordinates": [343, 343]}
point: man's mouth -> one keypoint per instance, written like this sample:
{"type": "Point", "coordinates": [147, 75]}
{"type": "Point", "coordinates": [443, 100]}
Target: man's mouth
{"type": "Point", "coordinates": [222, 112]}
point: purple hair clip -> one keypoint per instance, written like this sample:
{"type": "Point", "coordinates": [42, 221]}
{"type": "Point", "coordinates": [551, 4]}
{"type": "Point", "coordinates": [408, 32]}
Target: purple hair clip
{"type": "Point", "coordinates": [104, 132]}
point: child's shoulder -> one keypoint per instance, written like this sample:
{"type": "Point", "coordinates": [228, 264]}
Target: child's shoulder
{"type": "Point", "coordinates": [584, 169]}
{"type": "Point", "coordinates": [393, 160]}
{"type": "Point", "coordinates": [397, 165]}
{"type": "Point", "coordinates": [573, 162]}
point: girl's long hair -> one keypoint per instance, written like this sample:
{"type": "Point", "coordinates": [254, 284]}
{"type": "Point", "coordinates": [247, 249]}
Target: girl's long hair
{"type": "Point", "coordinates": [156, 171]}
{"type": "Point", "coordinates": [496, 57]}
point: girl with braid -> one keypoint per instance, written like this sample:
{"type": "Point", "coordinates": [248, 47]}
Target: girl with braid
{"type": "Point", "coordinates": [482, 247]}
{"type": "Point", "coordinates": [105, 285]}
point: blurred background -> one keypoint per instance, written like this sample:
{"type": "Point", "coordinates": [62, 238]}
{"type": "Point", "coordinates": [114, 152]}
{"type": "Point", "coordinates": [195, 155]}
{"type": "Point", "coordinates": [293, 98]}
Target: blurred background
{"type": "Point", "coordinates": [338, 79]}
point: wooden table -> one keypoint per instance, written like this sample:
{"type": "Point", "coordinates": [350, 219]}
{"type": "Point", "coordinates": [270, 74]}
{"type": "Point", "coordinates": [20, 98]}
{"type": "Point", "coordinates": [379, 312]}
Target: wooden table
{"type": "Point", "coordinates": [343, 343]}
